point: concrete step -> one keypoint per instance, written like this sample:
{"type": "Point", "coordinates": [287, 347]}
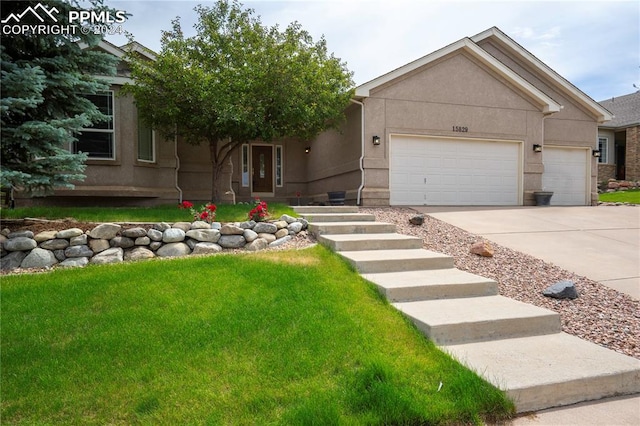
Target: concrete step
{"type": "Point", "coordinates": [476, 319]}
{"type": "Point", "coordinates": [325, 209]}
{"type": "Point", "coordinates": [552, 370]}
{"type": "Point", "coordinates": [352, 242]}
{"type": "Point", "coordinates": [339, 217]}
{"type": "Point", "coordinates": [434, 284]}
{"type": "Point", "coordinates": [372, 261]}
{"type": "Point", "coordinates": [351, 228]}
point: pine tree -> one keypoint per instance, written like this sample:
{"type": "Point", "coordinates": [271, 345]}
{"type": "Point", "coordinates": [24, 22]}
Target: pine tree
{"type": "Point", "coordinates": [43, 107]}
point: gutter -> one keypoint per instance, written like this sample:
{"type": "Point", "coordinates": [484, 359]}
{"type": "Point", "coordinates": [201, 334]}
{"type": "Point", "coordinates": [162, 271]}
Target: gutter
{"type": "Point", "coordinates": [361, 150]}
{"type": "Point", "coordinates": [175, 140]}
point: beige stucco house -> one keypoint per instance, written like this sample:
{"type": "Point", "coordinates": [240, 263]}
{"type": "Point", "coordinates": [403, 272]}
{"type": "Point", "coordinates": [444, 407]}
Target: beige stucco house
{"type": "Point", "coordinates": [619, 139]}
{"type": "Point", "coordinates": [479, 122]}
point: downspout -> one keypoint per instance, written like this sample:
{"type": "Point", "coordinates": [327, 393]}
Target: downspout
{"type": "Point", "coordinates": [175, 140]}
{"type": "Point", "coordinates": [361, 150]}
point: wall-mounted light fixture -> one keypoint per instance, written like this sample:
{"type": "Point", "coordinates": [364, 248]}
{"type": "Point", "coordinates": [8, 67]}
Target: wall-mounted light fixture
{"type": "Point", "coordinates": [596, 153]}
{"type": "Point", "coordinates": [376, 140]}
{"type": "Point", "coordinates": [537, 147]}
{"type": "Point", "coordinates": [307, 150]}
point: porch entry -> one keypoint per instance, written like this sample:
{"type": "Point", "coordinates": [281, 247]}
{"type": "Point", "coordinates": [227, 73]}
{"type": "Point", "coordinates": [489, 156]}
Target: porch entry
{"type": "Point", "coordinates": [262, 170]}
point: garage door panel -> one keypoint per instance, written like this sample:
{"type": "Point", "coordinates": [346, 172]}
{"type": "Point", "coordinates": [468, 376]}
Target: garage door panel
{"type": "Point", "coordinates": [455, 171]}
{"type": "Point", "coordinates": [566, 172]}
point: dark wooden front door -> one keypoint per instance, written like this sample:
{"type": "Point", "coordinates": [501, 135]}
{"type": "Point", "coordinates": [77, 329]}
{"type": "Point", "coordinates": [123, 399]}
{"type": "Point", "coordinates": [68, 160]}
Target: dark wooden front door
{"type": "Point", "coordinates": [262, 168]}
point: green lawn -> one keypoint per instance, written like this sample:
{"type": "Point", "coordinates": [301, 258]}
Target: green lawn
{"type": "Point", "coordinates": [170, 213]}
{"type": "Point", "coordinates": [631, 196]}
{"type": "Point", "coordinates": [289, 337]}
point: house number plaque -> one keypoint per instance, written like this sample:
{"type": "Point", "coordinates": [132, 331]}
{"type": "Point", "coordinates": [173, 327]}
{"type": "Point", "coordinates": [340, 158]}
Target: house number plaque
{"type": "Point", "coordinates": [462, 129]}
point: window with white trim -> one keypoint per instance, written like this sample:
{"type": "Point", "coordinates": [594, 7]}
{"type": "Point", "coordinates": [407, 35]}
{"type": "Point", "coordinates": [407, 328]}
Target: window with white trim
{"type": "Point", "coordinates": [146, 143]}
{"type": "Point", "coordinates": [603, 146]}
{"type": "Point", "coordinates": [245, 165]}
{"type": "Point", "coordinates": [278, 165]}
{"type": "Point", "coordinates": [98, 141]}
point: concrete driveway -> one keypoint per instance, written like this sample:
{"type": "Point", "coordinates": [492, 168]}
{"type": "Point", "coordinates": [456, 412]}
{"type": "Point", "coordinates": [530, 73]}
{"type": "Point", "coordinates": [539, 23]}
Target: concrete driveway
{"type": "Point", "coordinates": [600, 243]}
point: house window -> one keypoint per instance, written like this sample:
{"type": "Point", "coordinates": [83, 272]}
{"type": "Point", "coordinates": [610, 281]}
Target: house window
{"type": "Point", "coordinates": [245, 165]}
{"type": "Point", "coordinates": [603, 146]}
{"type": "Point", "coordinates": [98, 141]}
{"type": "Point", "coordinates": [279, 165]}
{"type": "Point", "coordinates": [146, 143]}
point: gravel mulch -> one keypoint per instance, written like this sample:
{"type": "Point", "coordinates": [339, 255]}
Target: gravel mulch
{"type": "Point", "coordinates": [600, 314]}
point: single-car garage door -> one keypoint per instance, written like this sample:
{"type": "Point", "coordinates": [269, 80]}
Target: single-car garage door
{"type": "Point", "coordinates": [566, 172]}
{"type": "Point", "coordinates": [449, 172]}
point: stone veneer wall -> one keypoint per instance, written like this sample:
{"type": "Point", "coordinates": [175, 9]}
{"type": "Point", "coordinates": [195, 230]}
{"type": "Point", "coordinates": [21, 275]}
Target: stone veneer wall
{"type": "Point", "coordinates": [110, 243]}
{"type": "Point", "coordinates": [632, 154]}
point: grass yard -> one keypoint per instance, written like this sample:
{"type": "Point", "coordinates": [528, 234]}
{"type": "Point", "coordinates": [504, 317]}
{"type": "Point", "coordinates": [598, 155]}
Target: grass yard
{"type": "Point", "coordinates": [295, 338]}
{"type": "Point", "coordinates": [631, 196]}
{"type": "Point", "coordinates": [167, 213]}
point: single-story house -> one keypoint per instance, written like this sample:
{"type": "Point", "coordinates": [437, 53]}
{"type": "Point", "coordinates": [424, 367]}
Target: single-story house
{"type": "Point", "coordinates": [619, 139]}
{"type": "Point", "coordinates": [479, 122]}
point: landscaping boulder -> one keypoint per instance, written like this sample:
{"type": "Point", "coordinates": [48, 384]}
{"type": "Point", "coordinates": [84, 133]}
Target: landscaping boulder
{"type": "Point", "coordinates": [185, 226]}
{"type": "Point", "coordinates": [69, 233]}
{"type": "Point", "coordinates": [173, 235]}
{"type": "Point", "coordinates": [154, 234]}
{"type": "Point", "coordinates": [55, 244]}
{"type": "Point", "coordinates": [267, 236]}
{"type": "Point", "coordinates": [232, 241]}
{"type": "Point", "coordinates": [204, 235]}
{"type": "Point", "coordinates": [295, 227]}
{"type": "Point", "coordinates": [120, 241]}
{"type": "Point", "coordinates": [562, 290]}
{"type": "Point", "coordinates": [417, 220]}
{"type": "Point", "coordinates": [229, 229]}
{"type": "Point", "coordinates": [12, 261]}
{"type": "Point", "coordinates": [257, 244]}
{"type": "Point", "coordinates": [174, 250]}
{"type": "Point", "coordinates": [249, 235]}
{"type": "Point", "coordinates": [482, 248]}
{"type": "Point", "coordinates": [161, 226]}
{"type": "Point", "coordinates": [78, 251]}
{"type": "Point", "coordinates": [21, 234]}
{"type": "Point", "coordinates": [98, 246]}
{"type": "Point", "coordinates": [287, 218]}
{"type": "Point", "coordinates": [265, 227]}
{"type": "Point", "coordinates": [142, 241]}
{"type": "Point", "coordinates": [134, 232]}
{"type": "Point", "coordinates": [200, 224]}
{"type": "Point", "coordinates": [139, 253]}
{"type": "Point", "coordinates": [206, 248]}
{"type": "Point", "coordinates": [79, 240]}
{"type": "Point", "coordinates": [75, 262]}
{"type": "Point", "coordinates": [105, 231]}
{"type": "Point", "coordinates": [19, 244]}
{"type": "Point", "coordinates": [45, 236]}
{"type": "Point", "coordinates": [112, 255]}
{"type": "Point", "coordinates": [280, 241]}
{"type": "Point", "coordinates": [39, 258]}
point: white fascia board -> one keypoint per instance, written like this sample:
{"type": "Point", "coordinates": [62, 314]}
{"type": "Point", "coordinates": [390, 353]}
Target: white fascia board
{"type": "Point", "coordinates": [600, 112]}
{"type": "Point", "coordinates": [466, 44]}
{"type": "Point", "coordinates": [107, 47]}
{"type": "Point", "coordinates": [115, 80]}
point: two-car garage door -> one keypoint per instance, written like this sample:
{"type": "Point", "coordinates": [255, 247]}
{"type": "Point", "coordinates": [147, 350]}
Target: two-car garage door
{"type": "Point", "coordinates": [446, 171]}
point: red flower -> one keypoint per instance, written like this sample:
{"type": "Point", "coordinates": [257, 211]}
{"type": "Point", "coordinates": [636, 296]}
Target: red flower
{"type": "Point", "coordinates": [211, 207]}
{"type": "Point", "coordinates": [204, 215]}
{"type": "Point", "coordinates": [186, 205]}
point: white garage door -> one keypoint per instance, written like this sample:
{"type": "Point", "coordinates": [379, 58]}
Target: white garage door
{"type": "Point", "coordinates": [566, 172]}
{"type": "Point", "coordinates": [448, 172]}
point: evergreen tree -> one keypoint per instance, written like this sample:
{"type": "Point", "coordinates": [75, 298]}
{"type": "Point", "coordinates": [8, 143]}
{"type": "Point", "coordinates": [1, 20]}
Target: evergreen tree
{"type": "Point", "coordinates": [44, 78]}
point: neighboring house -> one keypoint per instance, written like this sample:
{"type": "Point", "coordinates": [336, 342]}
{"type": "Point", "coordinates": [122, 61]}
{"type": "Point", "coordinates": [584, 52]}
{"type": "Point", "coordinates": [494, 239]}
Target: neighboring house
{"type": "Point", "coordinates": [619, 139]}
{"type": "Point", "coordinates": [479, 122]}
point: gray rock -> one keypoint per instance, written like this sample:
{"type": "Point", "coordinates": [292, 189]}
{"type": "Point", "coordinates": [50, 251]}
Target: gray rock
{"type": "Point", "coordinates": [76, 262]}
{"type": "Point", "coordinates": [98, 246]}
{"type": "Point", "coordinates": [174, 250]}
{"type": "Point", "coordinates": [5, 232]}
{"type": "Point", "coordinates": [200, 224]}
{"type": "Point", "coordinates": [79, 240]}
{"type": "Point", "coordinates": [229, 229]}
{"type": "Point", "coordinates": [280, 241]}
{"type": "Point", "coordinates": [247, 225]}
{"type": "Point", "coordinates": [135, 232]}
{"type": "Point", "coordinates": [155, 245]}
{"type": "Point", "coordinates": [185, 226]}
{"type": "Point", "coordinates": [142, 241]}
{"type": "Point", "coordinates": [12, 260]}
{"type": "Point", "coordinates": [269, 237]}
{"type": "Point", "coordinates": [265, 228]}
{"type": "Point", "coordinates": [120, 241]}
{"type": "Point", "coordinates": [281, 233]}
{"type": "Point", "coordinates": [59, 254]}
{"type": "Point", "coordinates": [139, 253]}
{"type": "Point", "coordinates": [112, 255]}
{"type": "Point", "coordinates": [232, 241]}
{"type": "Point", "coordinates": [20, 234]}
{"type": "Point", "coordinates": [562, 290]}
{"type": "Point", "coordinates": [69, 233]}
{"type": "Point", "coordinates": [154, 234]}
{"type": "Point", "coordinates": [161, 226]}
{"type": "Point", "coordinates": [249, 235]}
{"type": "Point", "coordinates": [206, 248]}
{"type": "Point", "coordinates": [287, 218]}
{"type": "Point", "coordinates": [204, 235]}
{"type": "Point", "coordinates": [44, 236]}
{"type": "Point", "coordinates": [417, 220]}
{"type": "Point", "coordinates": [295, 227]}
{"type": "Point", "coordinates": [257, 244]}
{"type": "Point", "coordinates": [105, 231]}
{"type": "Point", "coordinates": [173, 235]}
{"type": "Point", "coordinates": [216, 225]}
{"type": "Point", "coordinates": [39, 258]}
{"type": "Point", "coordinates": [304, 222]}
{"type": "Point", "coordinates": [55, 244]}
{"type": "Point", "coordinates": [191, 243]}
{"type": "Point", "coordinates": [78, 251]}
{"type": "Point", "coordinates": [20, 244]}
{"type": "Point", "coordinates": [281, 224]}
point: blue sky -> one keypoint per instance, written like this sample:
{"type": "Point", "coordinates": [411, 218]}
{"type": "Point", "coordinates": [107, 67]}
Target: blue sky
{"type": "Point", "coordinates": [593, 44]}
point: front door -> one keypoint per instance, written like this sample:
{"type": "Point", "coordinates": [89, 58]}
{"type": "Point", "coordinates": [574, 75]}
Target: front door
{"type": "Point", "coordinates": [262, 168]}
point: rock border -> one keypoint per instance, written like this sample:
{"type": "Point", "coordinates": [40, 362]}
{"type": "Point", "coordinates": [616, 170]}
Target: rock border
{"type": "Point", "coordinates": [110, 243]}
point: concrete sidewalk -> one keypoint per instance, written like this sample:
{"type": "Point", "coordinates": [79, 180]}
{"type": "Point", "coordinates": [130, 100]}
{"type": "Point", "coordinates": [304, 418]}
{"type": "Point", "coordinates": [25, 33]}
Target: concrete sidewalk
{"type": "Point", "coordinates": [600, 243]}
